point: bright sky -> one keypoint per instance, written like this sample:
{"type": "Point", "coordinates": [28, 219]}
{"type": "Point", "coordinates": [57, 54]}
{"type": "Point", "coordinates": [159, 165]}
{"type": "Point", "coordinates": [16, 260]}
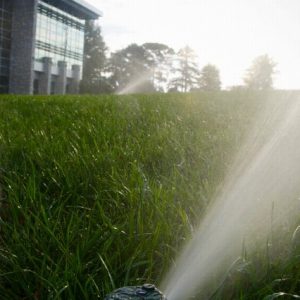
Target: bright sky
{"type": "Point", "coordinates": [226, 33]}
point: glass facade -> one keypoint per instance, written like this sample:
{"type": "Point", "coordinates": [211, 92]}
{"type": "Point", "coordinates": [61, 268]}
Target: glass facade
{"type": "Point", "coordinates": [5, 41]}
{"type": "Point", "coordinates": [59, 35]}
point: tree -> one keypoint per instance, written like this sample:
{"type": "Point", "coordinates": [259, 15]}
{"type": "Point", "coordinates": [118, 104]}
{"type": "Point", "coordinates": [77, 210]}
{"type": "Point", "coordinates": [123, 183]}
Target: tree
{"type": "Point", "coordinates": [209, 78]}
{"type": "Point", "coordinates": [131, 70]}
{"type": "Point", "coordinates": [160, 59]}
{"type": "Point", "coordinates": [260, 75]}
{"type": "Point", "coordinates": [94, 62]}
{"type": "Point", "coordinates": [187, 71]}
{"type": "Point", "coordinates": [141, 68]}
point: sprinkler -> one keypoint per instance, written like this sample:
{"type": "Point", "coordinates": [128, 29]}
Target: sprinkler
{"type": "Point", "coordinates": [144, 292]}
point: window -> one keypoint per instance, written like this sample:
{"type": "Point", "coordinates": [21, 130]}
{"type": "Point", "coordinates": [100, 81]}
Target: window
{"type": "Point", "coordinates": [59, 35]}
{"type": "Point", "coordinates": [5, 42]}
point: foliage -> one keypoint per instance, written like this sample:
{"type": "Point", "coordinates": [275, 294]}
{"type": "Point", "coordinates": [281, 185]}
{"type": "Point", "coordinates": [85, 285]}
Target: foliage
{"type": "Point", "coordinates": [186, 71]}
{"type": "Point", "coordinates": [260, 75]}
{"type": "Point", "coordinates": [161, 57]}
{"type": "Point", "coordinates": [272, 272]}
{"type": "Point", "coordinates": [141, 68]}
{"type": "Point", "coordinates": [94, 79]}
{"type": "Point", "coordinates": [131, 66]}
{"type": "Point", "coordinates": [210, 78]}
{"type": "Point", "coordinates": [101, 192]}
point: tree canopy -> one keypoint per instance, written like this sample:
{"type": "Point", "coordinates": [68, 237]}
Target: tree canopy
{"type": "Point", "coordinates": [260, 75]}
{"type": "Point", "coordinates": [155, 67]}
{"type": "Point", "coordinates": [150, 67]}
{"type": "Point", "coordinates": [210, 78]}
{"type": "Point", "coordinates": [186, 71]}
{"type": "Point", "coordinates": [131, 69]}
{"type": "Point", "coordinates": [94, 61]}
{"type": "Point", "coordinates": [160, 57]}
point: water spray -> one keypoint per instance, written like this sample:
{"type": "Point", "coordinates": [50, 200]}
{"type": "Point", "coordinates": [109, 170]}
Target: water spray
{"type": "Point", "coordinates": [144, 292]}
{"type": "Point", "coordinates": [259, 196]}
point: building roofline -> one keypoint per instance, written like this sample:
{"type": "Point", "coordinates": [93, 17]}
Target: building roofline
{"type": "Point", "coordinates": [78, 8]}
{"type": "Point", "coordinates": [86, 8]}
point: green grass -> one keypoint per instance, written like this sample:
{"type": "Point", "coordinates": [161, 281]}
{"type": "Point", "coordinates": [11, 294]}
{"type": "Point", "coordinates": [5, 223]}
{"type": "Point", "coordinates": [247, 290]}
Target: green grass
{"type": "Point", "coordinates": [102, 192]}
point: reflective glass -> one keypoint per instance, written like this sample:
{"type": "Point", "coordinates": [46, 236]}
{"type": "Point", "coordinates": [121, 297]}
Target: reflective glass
{"type": "Point", "coordinates": [59, 35]}
{"type": "Point", "coordinates": [5, 42]}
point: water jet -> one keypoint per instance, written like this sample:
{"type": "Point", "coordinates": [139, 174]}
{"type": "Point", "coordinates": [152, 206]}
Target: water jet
{"type": "Point", "coordinates": [259, 195]}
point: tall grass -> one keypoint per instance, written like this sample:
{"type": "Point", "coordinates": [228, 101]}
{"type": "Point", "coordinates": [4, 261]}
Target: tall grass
{"type": "Point", "coordinates": [101, 192]}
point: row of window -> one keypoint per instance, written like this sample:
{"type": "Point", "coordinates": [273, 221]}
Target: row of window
{"type": "Point", "coordinates": [6, 5]}
{"type": "Point", "coordinates": [59, 35]}
{"type": "Point", "coordinates": [58, 50]}
{"type": "Point", "coordinates": [3, 80]}
{"type": "Point", "coordinates": [4, 53]}
{"type": "Point", "coordinates": [4, 62]}
{"type": "Point", "coordinates": [5, 24]}
{"type": "Point", "coordinates": [4, 71]}
{"type": "Point", "coordinates": [39, 54]}
{"type": "Point", "coordinates": [5, 42]}
{"type": "Point", "coordinates": [5, 33]}
{"type": "Point", "coordinates": [60, 16]}
{"type": "Point", "coordinates": [5, 14]}
{"type": "Point", "coordinates": [61, 12]}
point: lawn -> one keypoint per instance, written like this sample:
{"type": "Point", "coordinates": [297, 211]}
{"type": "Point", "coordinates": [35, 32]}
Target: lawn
{"type": "Point", "coordinates": [99, 192]}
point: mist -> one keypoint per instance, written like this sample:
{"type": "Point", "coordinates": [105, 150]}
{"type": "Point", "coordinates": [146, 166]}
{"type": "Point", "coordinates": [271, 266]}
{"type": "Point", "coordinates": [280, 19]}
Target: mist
{"type": "Point", "coordinates": [259, 196]}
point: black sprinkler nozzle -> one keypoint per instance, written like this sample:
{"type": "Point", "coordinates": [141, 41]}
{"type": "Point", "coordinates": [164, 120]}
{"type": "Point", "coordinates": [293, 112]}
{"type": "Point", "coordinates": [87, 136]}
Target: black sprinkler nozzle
{"type": "Point", "coordinates": [144, 292]}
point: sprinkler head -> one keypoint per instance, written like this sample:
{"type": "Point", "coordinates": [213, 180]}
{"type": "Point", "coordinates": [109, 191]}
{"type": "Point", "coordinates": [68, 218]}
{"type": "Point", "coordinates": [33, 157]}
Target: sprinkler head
{"type": "Point", "coordinates": [144, 292]}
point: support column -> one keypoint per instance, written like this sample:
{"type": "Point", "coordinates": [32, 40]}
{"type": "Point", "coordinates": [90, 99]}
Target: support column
{"type": "Point", "coordinates": [74, 87]}
{"type": "Point", "coordinates": [45, 77]}
{"type": "Point", "coordinates": [22, 46]}
{"type": "Point", "coordinates": [60, 86]}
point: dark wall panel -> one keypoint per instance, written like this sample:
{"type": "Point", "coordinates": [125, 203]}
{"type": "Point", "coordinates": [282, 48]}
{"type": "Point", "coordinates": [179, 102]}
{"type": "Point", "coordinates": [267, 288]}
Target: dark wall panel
{"type": "Point", "coordinates": [22, 46]}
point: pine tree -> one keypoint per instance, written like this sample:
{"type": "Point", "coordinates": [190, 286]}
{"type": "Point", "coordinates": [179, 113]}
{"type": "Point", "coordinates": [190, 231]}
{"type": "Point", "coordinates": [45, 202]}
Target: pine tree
{"type": "Point", "coordinates": [187, 71]}
{"type": "Point", "coordinates": [94, 63]}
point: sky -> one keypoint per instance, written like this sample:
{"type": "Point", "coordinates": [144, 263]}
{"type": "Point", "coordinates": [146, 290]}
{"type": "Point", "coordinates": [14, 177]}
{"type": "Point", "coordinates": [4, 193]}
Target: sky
{"type": "Point", "coordinates": [226, 33]}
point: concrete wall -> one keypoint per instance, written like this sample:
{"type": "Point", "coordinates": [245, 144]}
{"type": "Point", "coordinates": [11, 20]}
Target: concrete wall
{"type": "Point", "coordinates": [45, 77]}
{"type": "Point", "coordinates": [22, 46]}
{"type": "Point", "coordinates": [61, 83]}
{"type": "Point", "coordinates": [74, 86]}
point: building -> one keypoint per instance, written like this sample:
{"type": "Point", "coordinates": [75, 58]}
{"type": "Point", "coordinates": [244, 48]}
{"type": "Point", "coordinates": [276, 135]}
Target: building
{"type": "Point", "coordinates": [42, 44]}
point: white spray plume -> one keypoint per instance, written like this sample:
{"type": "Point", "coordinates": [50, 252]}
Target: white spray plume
{"type": "Point", "coordinates": [266, 174]}
{"type": "Point", "coordinates": [136, 83]}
